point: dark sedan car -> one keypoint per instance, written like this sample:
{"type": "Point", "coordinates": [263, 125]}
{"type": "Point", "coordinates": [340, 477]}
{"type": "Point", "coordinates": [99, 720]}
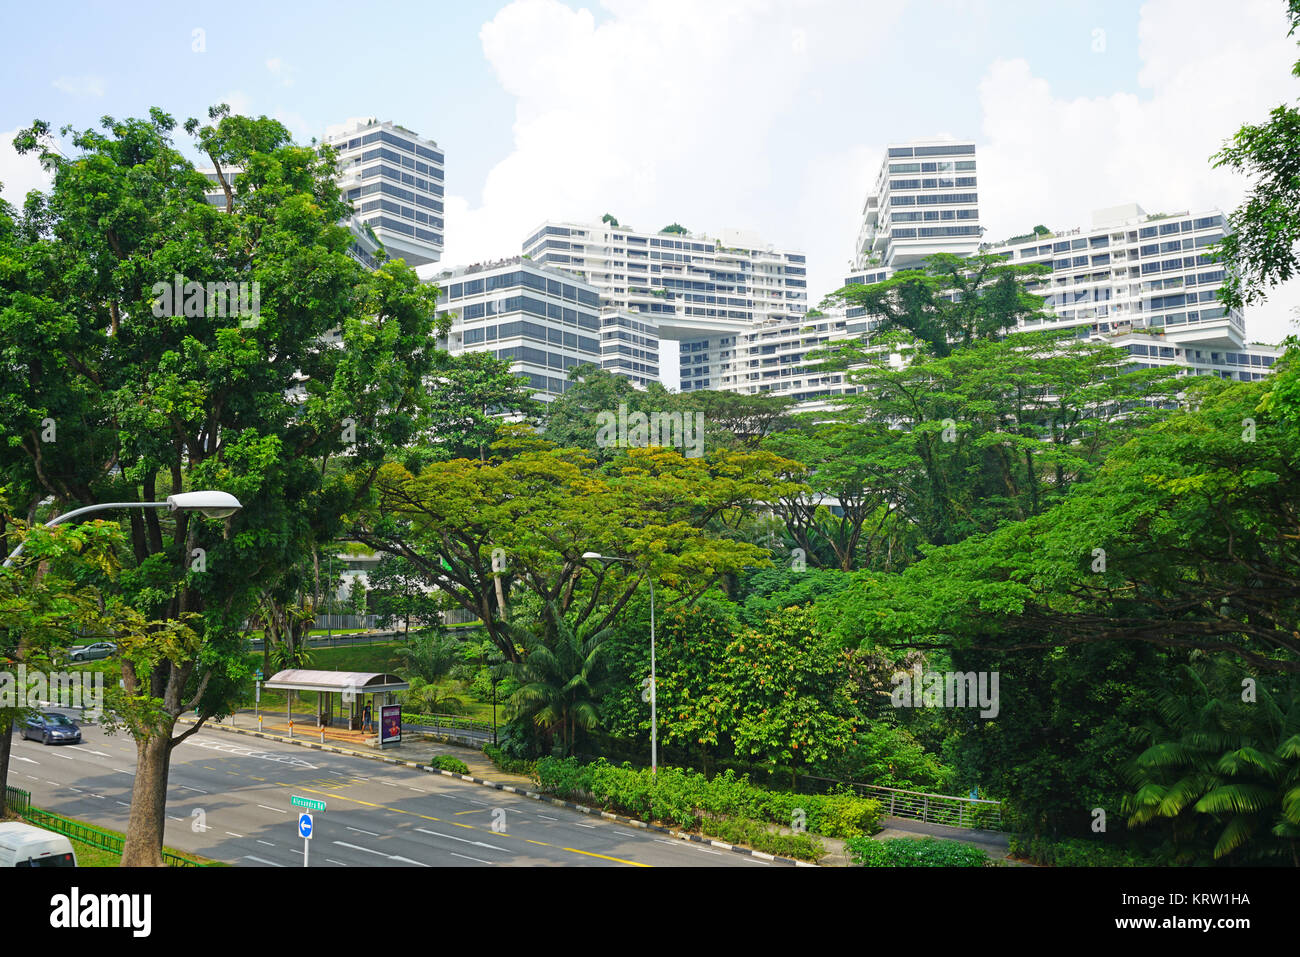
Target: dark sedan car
{"type": "Point", "coordinates": [50, 727]}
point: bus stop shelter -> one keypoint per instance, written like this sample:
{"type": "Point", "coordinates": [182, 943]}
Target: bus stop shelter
{"type": "Point", "coordinates": [355, 689]}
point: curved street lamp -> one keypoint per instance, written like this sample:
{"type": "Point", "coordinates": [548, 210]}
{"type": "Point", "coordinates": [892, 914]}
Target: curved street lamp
{"type": "Point", "coordinates": [213, 504]}
{"type": "Point", "coordinates": [654, 714]}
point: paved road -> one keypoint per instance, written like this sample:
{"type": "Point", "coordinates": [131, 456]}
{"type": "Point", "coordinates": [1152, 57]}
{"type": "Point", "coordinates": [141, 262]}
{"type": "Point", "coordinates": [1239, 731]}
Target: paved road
{"type": "Point", "coordinates": [377, 814]}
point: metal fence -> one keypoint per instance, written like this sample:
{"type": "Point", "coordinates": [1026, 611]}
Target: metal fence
{"type": "Point", "coordinates": [89, 834]}
{"type": "Point", "coordinates": [947, 809]}
{"type": "Point", "coordinates": [17, 800]}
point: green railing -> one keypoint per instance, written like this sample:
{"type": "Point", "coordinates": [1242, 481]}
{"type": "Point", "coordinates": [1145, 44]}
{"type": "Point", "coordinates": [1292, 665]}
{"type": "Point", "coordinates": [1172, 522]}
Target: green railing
{"type": "Point", "coordinates": [17, 800]}
{"type": "Point", "coordinates": [94, 836]}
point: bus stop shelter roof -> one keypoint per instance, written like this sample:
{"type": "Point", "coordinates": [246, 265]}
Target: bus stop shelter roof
{"type": "Point", "coordinates": [356, 682]}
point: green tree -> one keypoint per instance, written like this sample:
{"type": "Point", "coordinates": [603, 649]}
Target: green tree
{"type": "Point", "coordinates": [951, 301]}
{"type": "Point", "coordinates": [150, 400]}
{"type": "Point", "coordinates": [1261, 249]}
{"type": "Point", "coordinates": [399, 593]}
{"type": "Point", "coordinates": [561, 677]}
{"type": "Point", "coordinates": [1222, 768]}
{"type": "Point", "coordinates": [489, 533]}
{"type": "Point", "coordinates": [467, 396]}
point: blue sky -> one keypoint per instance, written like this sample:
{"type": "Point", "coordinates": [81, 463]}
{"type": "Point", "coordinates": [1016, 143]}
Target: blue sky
{"type": "Point", "coordinates": [768, 115]}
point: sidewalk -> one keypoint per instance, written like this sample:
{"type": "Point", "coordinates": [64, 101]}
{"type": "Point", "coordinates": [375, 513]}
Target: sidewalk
{"type": "Point", "coordinates": [414, 746]}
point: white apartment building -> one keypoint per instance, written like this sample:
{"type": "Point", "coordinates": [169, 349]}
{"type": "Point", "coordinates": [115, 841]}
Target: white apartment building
{"type": "Point", "coordinates": [1141, 282]}
{"type": "Point", "coordinates": [394, 178]}
{"type": "Point", "coordinates": [697, 289]}
{"type": "Point", "coordinates": [629, 345]}
{"type": "Point", "coordinates": [925, 201]}
{"type": "Point", "coordinates": [543, 320]}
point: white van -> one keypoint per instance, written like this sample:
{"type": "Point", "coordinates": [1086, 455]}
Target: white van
{"type": "Point", "coordinates": [22, 845]}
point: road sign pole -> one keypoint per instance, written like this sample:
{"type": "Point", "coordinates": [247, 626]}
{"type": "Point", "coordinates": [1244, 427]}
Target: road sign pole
{"type": "Point", "coordinates": [306, 850]}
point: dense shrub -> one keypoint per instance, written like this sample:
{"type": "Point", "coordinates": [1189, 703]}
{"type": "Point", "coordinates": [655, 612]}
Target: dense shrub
{"type": "Point", "coordinates": [915, 852]}
{"type": "Point", "coordinates": [682, 797]}
{"type": "Point", "coordinates": [506, 763]}
{"type": "Point", "coordinates": [743, 830]}
{"type": "Point", "coordinates": [445, 762]}
{"type": "Point", "coordinates": [1076, 852]}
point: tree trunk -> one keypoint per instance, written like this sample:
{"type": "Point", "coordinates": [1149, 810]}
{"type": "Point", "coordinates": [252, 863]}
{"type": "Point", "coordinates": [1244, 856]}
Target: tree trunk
{"type": "Point", "coordinates": [6, 744]}
{"type": "Point", "coordinates": [144, 833]}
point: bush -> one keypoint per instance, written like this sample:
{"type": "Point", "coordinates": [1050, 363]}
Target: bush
{"type": "Point", "coordinates": [743, 830]}
{"type": "Point", "coordinates": [1076, 852]}
{"type": "Point", "coordinates": [682, 797]}
{"type": "Point", "coordinates": [506, 763]}
{"type": "Point", "coordinates": [914, 852]}
{"type": "Point", "coordinates": [445, 762]}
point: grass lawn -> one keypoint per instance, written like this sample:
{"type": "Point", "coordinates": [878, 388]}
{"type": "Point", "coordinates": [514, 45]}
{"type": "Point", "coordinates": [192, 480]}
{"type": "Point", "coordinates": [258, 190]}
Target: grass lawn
{"type": "Point", "coordinates": [88, 855]}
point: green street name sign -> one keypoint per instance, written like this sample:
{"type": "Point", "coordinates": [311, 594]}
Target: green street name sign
{"type": "Point", "coordinates": [308, 803]}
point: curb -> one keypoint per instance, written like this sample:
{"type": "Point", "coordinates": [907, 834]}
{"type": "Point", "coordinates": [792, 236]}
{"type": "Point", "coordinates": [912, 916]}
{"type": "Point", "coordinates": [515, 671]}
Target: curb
{"type": "Point", "coordinates": [522, 792]}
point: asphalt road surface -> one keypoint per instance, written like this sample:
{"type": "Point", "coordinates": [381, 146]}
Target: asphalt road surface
{"type": "Point", "coordinates": [228, 799]}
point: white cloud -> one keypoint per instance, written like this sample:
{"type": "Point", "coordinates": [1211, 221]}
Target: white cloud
{"type": "Point", "coordinates": [19, 174]}
{"type": "Point", "coordinates": [80, 85]}
{"type": "Point", "coordinates": [1052, 160]}
{"type": "Point", "coordinates": [663, 111]}
{"type": "Point", "coordinates": [282, 71]}
{"type": "Point", "coordinates": [714, 115]}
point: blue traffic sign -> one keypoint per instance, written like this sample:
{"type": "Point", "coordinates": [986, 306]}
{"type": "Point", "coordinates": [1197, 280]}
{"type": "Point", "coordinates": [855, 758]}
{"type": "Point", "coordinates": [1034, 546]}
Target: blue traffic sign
{"type": "Point", "coordinates": [304, 825]}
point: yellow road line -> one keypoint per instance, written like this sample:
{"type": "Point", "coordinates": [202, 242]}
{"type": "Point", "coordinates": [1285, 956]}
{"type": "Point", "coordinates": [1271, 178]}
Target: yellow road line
{"type": "Point", "coordinates": [606, 857]}
{"type": "Point", "coordinates": [473, 827]}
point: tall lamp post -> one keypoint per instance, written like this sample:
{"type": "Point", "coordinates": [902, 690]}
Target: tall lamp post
{"type": "Point", "coordinates": [654, 714]}
{"type": "Point", "coordinates": [212, 504]}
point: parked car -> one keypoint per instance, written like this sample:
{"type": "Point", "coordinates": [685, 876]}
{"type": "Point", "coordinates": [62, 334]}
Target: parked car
{"type": "Point", "coordinates": [50, 727]}
{"type": "Point", "coordinates": [100, 649]}
{"type": "Point", "coordinates": [23, 845]}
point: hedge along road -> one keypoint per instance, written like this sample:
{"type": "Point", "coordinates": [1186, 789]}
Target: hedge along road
{"type": "Point", "coordinates": [229, 800]}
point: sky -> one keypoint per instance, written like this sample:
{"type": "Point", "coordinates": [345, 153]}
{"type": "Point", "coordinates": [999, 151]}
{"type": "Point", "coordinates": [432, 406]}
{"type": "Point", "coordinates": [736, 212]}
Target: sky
{"type": "Point", "coordinates": [765, 115]}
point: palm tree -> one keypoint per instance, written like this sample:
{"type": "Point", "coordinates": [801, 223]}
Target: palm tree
{"type": "Point", "coordinates": [560, 676]}
{"type": "Point", "coordinates": [429, 655]}
{"type": "Point", "coordinates": [1222, 769]}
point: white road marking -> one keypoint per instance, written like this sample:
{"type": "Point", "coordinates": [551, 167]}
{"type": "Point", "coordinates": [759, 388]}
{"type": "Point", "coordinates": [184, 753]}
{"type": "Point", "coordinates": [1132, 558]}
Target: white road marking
{"type": "Point", "coordinates": [358, 847]}
{"type": "Point", "coordinates": [71, 788]}
{"type": "Point", "coordinates": [332, 861]}
{"type": "Point", "coordinates": [543, 817]}
{"type": "Point", "coordinates": [461, 839]}
{"type": "Point", "coordinates": [120, 771]}
{"type": "Point", "coordinates": [267, 843]}
{"type": "Point", "coordinates": [360, 831]}
{"type": "Point", "coordinates": [188, 788]}
{"type": "Point", "coordinates": [250, 857]}
{"type": "Point", "coordinates": [65, 757]}
{"type": "Point", "coordinates": [19, 757]}
{"type": "Point", "coordinates": [591, 826]}
{"type": "Point", "coordinates": [77, 747]}
{"type": "Point", "coordinates": [407, 860]}
{"type": "Point", "coordinates": [233, 834]}
{"type": "Point", "coordinates": [277, 810]}
{"type": "Point", "coordinates": [123, 803]}
{"type": "Point", "coordinates": [468, 858]}
{"type": "Point", "coordinates": [755, 860]}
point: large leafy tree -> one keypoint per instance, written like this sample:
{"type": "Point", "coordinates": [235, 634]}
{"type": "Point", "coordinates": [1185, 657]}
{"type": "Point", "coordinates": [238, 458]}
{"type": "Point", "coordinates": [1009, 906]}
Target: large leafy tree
{"type": "Point", "coordinates": [1187, 538]}
{"type": "Point", "coordinates": [150, 400]}
{"type": "Point", "coordinates": [950, 301]}
{"type": "Point", "coordinates": [1263, 248]}
{"type": "Point", "coordinates": [998, 430]}
{"type": "Point", "coordinates": [519, 524]}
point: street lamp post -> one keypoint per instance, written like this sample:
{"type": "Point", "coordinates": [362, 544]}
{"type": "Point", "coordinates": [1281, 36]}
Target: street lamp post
{"type": "Point", "coordinates": [212, 504]}
{"type": "Point", "coordinates": [654, 713]}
